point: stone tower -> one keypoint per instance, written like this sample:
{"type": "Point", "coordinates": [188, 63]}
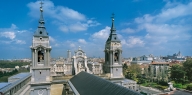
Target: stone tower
{"type": "Point", "coordinates": [113, 52]}
{"type": "Point", "coordinates": [40, 69]}
{"type": "Point", "coordinates": [79, 62]}
{"type": "Point", "coordinates": [69, 55]}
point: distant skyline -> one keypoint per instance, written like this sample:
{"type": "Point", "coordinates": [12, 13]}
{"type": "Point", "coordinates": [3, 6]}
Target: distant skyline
{"type": "Point", "coordinates": [158, 27]}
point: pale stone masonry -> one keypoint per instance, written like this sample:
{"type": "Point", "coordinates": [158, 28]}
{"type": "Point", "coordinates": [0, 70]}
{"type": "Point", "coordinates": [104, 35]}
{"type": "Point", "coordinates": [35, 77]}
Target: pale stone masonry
{"type": "Point", "coordinates": [40, 69]}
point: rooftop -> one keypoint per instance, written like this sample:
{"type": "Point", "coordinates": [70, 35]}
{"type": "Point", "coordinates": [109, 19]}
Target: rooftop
{"type": "Point", "coordinates": [88, 84]}
{"type": "Point", "coordinates": [3, 84]}
{"type": "Point", "coordinates": [20, 75]}
{"type": "Point", "coordinates": [4, 87]}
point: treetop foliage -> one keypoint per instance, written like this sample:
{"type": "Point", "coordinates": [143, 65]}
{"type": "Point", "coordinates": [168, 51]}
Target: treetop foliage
{"type": "Point", "coordinates": [9, 64]}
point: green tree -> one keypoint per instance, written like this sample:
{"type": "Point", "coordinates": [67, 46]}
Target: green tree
{"type": "Point", "coordinates": [134, 72]}
{"type": "Point", "coordinates": [1, 74]}
{"type": "Point", "coordinates": [188, 68]}
{"type": "Point", "coordinates": [178, 74]}
{"type": "Point", "coordinates": [125, 69]}
{"type": "Point", "coordinates": [150, 74]}
{"type": "Point", "coordinates": [189, 87]}
{"type": "Point", "coordinates": [9, 64]}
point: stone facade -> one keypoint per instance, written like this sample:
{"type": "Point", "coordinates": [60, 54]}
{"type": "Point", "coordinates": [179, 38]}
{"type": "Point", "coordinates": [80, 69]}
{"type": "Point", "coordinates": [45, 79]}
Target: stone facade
{"type": "Point", "coordinates": [95, 67]}
{"type": "Point", "coordinates": [113, 52]}
{"type": "Point", "coordinates": [175, 57]}
{"type": "Point", "coordinates": [113, 61]}
{"type": "Point", "coordinates": [74, 65]}
{"type": "Point", "coordinates": [159, 70]}
{"type": "Point", "coordinates": [79, 61]}
{"type": "Point", "coordinates": [40, 67]}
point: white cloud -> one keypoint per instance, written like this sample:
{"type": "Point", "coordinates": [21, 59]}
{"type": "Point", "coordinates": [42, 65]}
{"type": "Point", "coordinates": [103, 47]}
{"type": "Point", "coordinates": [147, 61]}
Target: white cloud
{"type": "Point", "coordinates": [92, 22]}
{"type": "Point", "coordinates": [63, 28]}
{"type": "Point", "coordinates": [133, 42]}
{"type": "Point", "coordinates": [67, 20]}
{"type": "Point", "coordinates": [10, 35]}
{"type": "Point", "coordinates": [147, 36]}
{"type": "Point", "coordinates": [14, 35]}
{"type": "Point", "coordinates": [145, 18]}
{"type": "Point", "coordinates": [78, 27]}
{"type": "Point", "coordinates": [72, 45]}
{"type": "Point", "coordinates": [13, 26]}
{"type": "Point", "coordinates": [128, 30]}
{"type": "Point", "coordinates": [178, 10]}
{"type": "Point", "coordinates": [6, 42]}
{"type": "Point", "coordinates": [82, 41]}
{"type": "Point", "coordinates": [20, 42]}
{"type": "Point", "coordinates": [51, 39]}
{"type": "Point", "coordinates": [167, 31]}
{"type": "Point", "coordinates": [72, 14]}
{"type": "Point", "coordinates": [164, 27]}
{"type": "Point", "coordinates": [102, 34]}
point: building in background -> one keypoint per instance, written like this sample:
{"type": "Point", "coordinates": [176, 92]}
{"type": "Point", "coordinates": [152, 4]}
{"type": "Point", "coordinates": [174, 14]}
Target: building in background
{"type": "Point", "coordinates": [175, 57]}
{"type": "Point", "coordinates": [74, 65]}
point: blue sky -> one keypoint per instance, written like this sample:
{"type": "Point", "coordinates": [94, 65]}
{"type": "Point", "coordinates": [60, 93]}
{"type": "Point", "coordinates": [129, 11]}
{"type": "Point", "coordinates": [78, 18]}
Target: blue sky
{"type": "Point", "coordinates": [158, 27]}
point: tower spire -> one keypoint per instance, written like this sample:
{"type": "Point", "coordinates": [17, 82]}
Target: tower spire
{"type": "Point", "coordinates": [41, 20]}
{"type": "Point", "coordinates": [113, 52]}
{"type": "Point", "coordinates": [113, 26]}
{"type": "Point", "coordinates": [41, 31]}
{"type": "Point", "coordinates": [113, 36]}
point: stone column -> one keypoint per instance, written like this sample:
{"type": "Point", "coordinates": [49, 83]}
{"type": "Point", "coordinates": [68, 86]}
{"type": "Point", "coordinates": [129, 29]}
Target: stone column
{"type": "Point", "coordinates": [74, 68]}
{"type": "Point", "coordinates": [113, 53]}
{"type": "Point", "coordinates": [111, 63]}
{"type": "Point", "coordinates": [35, 58]}
{"type": "Point", "coordinates": [45, 58]}
{"type": "Point", "coordinates": [85, 60]}
{"type": "Point", "coordinates": [48, 57]}
{"type": "Point", "coordinates": [111, 57]}
{"type": "Point", "coordinates": [106, 59]}
{"type": "Point", "coordinates": [119, 56]}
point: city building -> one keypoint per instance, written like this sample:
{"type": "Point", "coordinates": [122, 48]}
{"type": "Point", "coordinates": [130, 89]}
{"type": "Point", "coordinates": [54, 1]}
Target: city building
{"type": "Point", "coordinates": [74, 65]}
{"type": "Point", "coordinates": [159, 70]}
{"type": "Point", "coordinates": [77, 74]}
{"type": "Point", "coordinates": [175, 57]}
{"type": "Point", "coordinates": [142, 59]}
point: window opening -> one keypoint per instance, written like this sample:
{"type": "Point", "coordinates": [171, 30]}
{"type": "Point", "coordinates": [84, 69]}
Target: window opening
{"type": "Point", "coordinates": [116, 57]}
{"type": "Point", "coordinates": [40, 56]}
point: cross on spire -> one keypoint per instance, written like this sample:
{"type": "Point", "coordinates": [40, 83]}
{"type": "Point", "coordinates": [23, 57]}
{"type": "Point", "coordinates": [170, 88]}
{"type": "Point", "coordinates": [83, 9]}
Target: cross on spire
{"type": "Point", "coordinates": [41, 31]}
{"type": "Point", "coordinates": [113, 26]}
{"type": "Point", "coordinates": [113, 16]}
{"type": "Point", "coordinates": [41, 3]}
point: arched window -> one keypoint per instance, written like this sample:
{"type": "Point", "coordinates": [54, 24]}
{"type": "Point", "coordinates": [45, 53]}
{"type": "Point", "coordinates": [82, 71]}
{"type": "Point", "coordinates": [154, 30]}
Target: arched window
{"type": "Point", "coordinates": [107, 55]}
{"type": "Point", "coordinates": [40, 32]}
{"type": "Point", "coordinates": [116, 57]}
{"type": "Point", "coordinates": [40, 56]}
